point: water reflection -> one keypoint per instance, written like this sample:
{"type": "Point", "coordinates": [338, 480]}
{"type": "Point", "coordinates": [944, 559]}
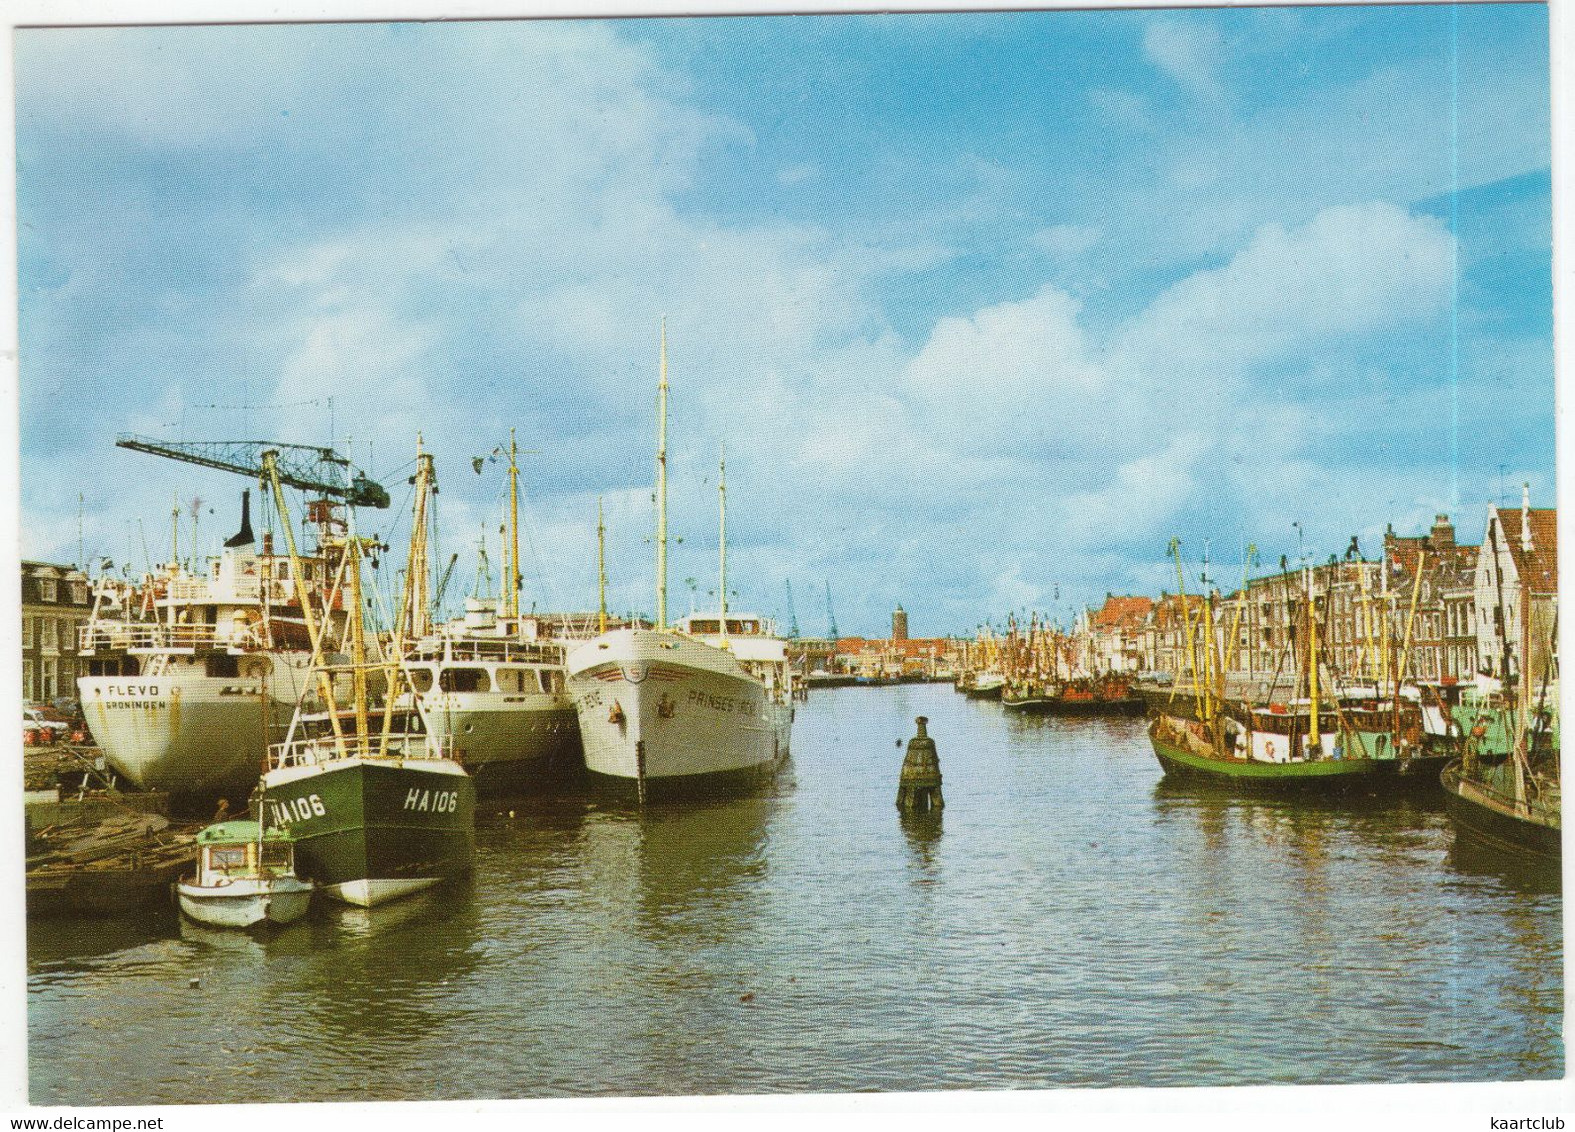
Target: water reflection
{"type": "Point", "coordinates": [1524, 873]}
{"type": "Point", "coordinates": [923, 833]}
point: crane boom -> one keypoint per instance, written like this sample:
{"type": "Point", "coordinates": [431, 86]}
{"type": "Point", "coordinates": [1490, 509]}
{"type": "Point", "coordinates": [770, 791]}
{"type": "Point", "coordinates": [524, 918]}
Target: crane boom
{"type": "Point", "coordinates": [299, 465]}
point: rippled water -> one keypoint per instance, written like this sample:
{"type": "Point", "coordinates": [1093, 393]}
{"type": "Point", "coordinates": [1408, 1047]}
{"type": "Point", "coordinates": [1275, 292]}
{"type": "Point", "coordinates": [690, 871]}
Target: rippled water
{"type": "Point", "coordinates": [1071, 921]}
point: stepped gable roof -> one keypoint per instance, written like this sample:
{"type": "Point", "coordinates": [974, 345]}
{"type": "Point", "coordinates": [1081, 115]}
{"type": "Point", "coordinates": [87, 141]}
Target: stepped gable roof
{"type": "Point", "coordinates": [1121, 612]}
{"type": "Point", "coordinates": [1167, 611]}
{"type": "Point", "coordinates": [1540, 569]}
{"type": "Point", "coordinates": [1449, 563]}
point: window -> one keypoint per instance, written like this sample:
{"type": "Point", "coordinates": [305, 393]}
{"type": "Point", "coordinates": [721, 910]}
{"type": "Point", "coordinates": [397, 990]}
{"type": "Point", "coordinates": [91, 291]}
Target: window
{"type": "Point", "coordinates": [47, 639]}
{"type": "Point", "coordinates": [464, 680]}
{"type": "Point", "coordinates": [49, 686]}
{"type": "Point", "coordinates": [48, 589]}
{"type": "Point", "coordinates": [421, 679]}
{"type": "Point", "coordinates": [27, 632]}
{"type": "Point", "coordinates": [508, 679]}
{"type": "Point", "coordinates": [29, 681]}
{"type": "Point", "coordinates": [79, 593]}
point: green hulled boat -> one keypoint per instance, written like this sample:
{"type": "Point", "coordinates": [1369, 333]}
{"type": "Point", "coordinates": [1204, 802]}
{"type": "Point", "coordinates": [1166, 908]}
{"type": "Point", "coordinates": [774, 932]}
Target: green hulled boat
{"type": "Point", "coordinates": [376, 806]}
{"type": "Point", "coordinates": [1490, 804]}
{"type": "Point", "coordinates": [369, 827]}
{"type": "Point", "coordinates": [1185, 751]}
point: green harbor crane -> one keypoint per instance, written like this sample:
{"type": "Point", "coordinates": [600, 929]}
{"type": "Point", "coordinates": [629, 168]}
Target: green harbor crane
{"type": "Point", "coordinates": [299, 465]}
{"type": "Point", "coordinates": [831, 618]}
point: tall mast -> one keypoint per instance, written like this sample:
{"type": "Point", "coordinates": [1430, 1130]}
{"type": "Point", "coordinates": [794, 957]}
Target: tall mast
{"type": "Point", "coordinates": [601, 569]}
{"type": "Point", "coordinates": [661, 488]}
{"type": "Point", "coordinates": [414, 619]}
{"type": "Point", "coordinates": [513, 607]}
{"type": "Point", "coordinates": [1312, 666]}
{"type": "Point", "coordinates": [721, 490]}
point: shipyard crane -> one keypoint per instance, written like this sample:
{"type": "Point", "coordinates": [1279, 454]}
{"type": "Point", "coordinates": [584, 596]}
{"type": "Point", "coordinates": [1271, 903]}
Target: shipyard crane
{"type": "Point", "coordinates": [792, 614]}
{"type": "Point", "coordinates": [831, 618]}
{"type": "Point", "coordinates": [298, 465]}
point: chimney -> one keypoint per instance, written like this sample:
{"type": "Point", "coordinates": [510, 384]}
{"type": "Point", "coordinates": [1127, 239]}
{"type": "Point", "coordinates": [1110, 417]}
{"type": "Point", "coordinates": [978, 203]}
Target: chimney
{"type": "Point", "coordinates": [1525, 517]}
{"type": "Point", "coordinates": [244, 536]}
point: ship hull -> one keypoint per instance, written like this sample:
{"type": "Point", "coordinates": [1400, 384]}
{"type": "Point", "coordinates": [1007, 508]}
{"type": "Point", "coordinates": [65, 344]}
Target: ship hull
{"type": "Point", "coordinates": [246, 902]}
{"type": "Point", "coordinates": [191, 736]}
{"type": "Point", "coordinates": [1488, 819]}
{"type": "Point", "coordinates": [508, 748]}
{"type": "Point", "coordinates": [670, 715]}
{"type": "Point", "coordinates": [1183, 763]}
{"type": "Point", "coordinates": [370, 830]}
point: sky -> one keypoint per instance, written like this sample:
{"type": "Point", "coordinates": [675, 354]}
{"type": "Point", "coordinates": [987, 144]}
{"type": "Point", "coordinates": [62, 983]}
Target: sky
{"type": "Point", "coordinates": [985, 308]}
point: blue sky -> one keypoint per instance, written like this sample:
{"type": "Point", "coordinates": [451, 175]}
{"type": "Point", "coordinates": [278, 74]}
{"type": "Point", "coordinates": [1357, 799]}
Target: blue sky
{"type": "Point", "coordinates": [986, 307]}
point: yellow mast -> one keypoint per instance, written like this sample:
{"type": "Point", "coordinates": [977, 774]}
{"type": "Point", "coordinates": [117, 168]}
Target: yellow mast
{"type": "Point", "coordinates": [601, 569]}
{"type": "Point", "coordinates": [721, 490]}
{"type": "Point", "coordinates": [412, 613]}
{"type": "Point", "coordinates": [1405, 651]}
{"type": "Point", "coordinates": [661, 488]}
{"type": "Point", "coordinates": [325, 686]}
{"type": "Point", "coordinates": [1312, 667]}
{"type": "Point", "coordinates": [1186, 615]}
{"type": "Point", "coordinates": [357, 645]}
{"type": "Point", "coordinates": [515, 577]}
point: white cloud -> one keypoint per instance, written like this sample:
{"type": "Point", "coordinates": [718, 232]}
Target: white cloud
{"type": "Point", "coordinates": [1189, 51]}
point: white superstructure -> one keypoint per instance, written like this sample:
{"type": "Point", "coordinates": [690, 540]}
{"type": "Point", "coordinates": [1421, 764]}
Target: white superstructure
{"type": "Point", "coordinates": [494, 688]}
{"type": "Point", "coordinates": [192, 674]}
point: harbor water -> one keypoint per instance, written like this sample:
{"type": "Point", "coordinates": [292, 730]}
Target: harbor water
{"type": "Point", "coordinates": [1068, 921]}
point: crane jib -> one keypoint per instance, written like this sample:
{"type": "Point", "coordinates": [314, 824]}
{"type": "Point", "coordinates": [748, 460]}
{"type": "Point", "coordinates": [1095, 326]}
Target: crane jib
{"type": "Point", "coordinates": [299, 465]}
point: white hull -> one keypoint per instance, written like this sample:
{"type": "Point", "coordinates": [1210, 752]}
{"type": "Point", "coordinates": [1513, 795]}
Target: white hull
{"type": "Point", "coordinates": [369, 893]}
{"type": "Point", "coordinates": [661, 706]}
{"type": "Point", "coordinates": [185, 733]}
{"type": "Point", "coordinates": [246, 902]}
{"type": "Point", "coordinates": [505, 740]}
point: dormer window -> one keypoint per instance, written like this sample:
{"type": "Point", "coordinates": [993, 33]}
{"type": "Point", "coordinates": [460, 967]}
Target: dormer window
{"type": "Point", "coordinates": [48, 589]}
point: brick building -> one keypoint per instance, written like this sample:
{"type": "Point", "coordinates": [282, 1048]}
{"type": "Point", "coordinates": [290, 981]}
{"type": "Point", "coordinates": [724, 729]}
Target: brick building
{"type": "Point", "coordinates": [55, 604]}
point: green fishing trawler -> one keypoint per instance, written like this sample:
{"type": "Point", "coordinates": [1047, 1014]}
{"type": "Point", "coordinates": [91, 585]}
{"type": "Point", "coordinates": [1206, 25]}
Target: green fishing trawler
{"type": "Point", "coordinates": [1317, 741]}
{"type": "Point", "coordinates": [1504, 789]}
{"type": "Point", "coordinates": [375, 805]}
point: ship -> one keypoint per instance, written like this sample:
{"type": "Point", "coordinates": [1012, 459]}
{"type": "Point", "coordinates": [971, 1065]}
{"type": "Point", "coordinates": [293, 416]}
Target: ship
{"type": "Point", "coordinates": [1505, 788]}
{"type": "Point", "coordinates": [376, 805]}
{"type": "Point", "coordinates": [1321, 740]}
{"type": "Point", "coordinates": [490, 683]}
{"type": "Point", "coordinates": [494, 689]}
{"type": "Point", "coordinates": [190, 675]}
{"type": "Point", "coordinates": [702, 705]}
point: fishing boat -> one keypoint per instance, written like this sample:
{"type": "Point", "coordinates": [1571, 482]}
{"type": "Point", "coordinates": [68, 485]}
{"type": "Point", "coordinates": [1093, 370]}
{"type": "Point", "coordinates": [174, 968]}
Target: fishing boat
{"type": "Point", "coordinates": [704, 704]}
{"type": "Point", "coordinates": [985, 686]}
{"type": "Point", "coordinates": [190, 675]}
{"type": "Point", "coordinates": [1316, 741]}
{"type": "Point", "coordinates": [245, 876]}
{"type": "Point", "coordinates": [1504, 788]}
{"type": "Point", "coordinates": [376, 806]}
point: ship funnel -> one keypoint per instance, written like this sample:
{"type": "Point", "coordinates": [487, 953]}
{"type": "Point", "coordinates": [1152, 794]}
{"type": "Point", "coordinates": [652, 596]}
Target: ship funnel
{"type": "Point", "coordinates": [244, 536]}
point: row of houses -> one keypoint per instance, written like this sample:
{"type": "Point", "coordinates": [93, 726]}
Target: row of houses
{"type": "Point", "coordinates": [55, 605]}
{"type": "Point", "coordinates": [1445, 610]}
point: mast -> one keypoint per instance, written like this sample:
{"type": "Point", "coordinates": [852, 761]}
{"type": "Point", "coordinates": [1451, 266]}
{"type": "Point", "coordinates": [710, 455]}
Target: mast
{"type": "Point", "coordinates": [325, 684]}
{"type": "Point", "coordinates": [1313, 735]}
{"type": "Point", "coordinates": [513, 607]}
{"type": "Point", "coordinates": [661, 488]}
{"type": "Point", "coordinates": [416, 612]}
{"type": "Point", "coordinates": [357, 643]}
{"type": "Point", "coordinates": [721, 491]}
{"type": "Point", "coordinates": [601, 569]}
